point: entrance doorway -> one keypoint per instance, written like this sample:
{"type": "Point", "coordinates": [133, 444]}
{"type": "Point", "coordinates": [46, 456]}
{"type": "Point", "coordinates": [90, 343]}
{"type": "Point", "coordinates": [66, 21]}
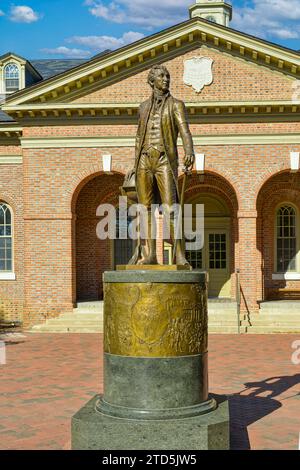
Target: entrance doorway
{"type": "Point", "coordinates": [215, 256]}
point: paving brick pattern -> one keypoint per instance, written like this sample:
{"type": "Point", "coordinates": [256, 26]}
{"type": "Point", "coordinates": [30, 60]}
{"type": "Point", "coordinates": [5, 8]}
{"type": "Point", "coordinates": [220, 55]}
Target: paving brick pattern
{"type": "Point", "coordinates": [47, 378]}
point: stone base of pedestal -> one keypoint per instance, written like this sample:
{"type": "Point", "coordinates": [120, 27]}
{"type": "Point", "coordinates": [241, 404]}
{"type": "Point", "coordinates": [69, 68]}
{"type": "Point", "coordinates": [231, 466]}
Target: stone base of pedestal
{"type": "Point", "coordinates": [92, 430]}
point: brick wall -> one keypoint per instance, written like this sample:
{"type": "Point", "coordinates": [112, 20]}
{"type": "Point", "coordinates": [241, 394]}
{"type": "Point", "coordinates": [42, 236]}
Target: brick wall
{"type": "Point", "coordinates": [11, 193]}
{"type": "Point", "coordinates": [234, 80]}
{"type": "Point", "coordinates": [93, 256]}
{"type": "Point", "coordinates": [281, 188]}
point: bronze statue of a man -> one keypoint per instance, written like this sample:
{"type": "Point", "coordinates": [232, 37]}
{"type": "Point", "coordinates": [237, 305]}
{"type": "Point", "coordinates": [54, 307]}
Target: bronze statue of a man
{"type": "Point", "coordinates": [161, 119]}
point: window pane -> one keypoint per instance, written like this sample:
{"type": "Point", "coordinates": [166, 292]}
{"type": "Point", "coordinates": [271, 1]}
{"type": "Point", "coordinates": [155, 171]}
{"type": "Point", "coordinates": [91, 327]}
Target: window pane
{"type": "Point", "coordinates": [8, 217]}
{"type": "Point", "coordinates": [1, 214]}
{"type": "Point", "coordinates": [5, 238]}
{"type": "Point", "coordinates": [11, 71]}
{"type": "Point", "coordinates": [194, 258]}
{"type": "Point", "coordinates": [123, 248]}
{"type": "Point", "coordinates": [12, 84]}
{"type": "Point", "coordinates": [286, 239]}
{"type": "Point", "coordinates": [11, 75]}
{"type": "Point", "coordinates": [217, 251]}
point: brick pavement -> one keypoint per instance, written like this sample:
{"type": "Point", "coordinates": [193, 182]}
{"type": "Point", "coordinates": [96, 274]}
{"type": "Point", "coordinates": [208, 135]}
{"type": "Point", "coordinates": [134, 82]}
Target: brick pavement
{"type": "Point", "coordinates": [47, 378]}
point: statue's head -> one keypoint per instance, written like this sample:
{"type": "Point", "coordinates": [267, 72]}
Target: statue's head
{"type": "Point", "coordinates": [159, 78]}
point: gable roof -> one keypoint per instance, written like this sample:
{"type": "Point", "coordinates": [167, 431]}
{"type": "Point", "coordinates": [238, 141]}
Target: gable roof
{"type": "Point", "coordinates": [5, 117]}
{"type": "Point", "coordinates": [50, 67]}
{"type": "Point", "coordinates": [104, 69]}
{"type": "Point", "coordinates": [12, 54]}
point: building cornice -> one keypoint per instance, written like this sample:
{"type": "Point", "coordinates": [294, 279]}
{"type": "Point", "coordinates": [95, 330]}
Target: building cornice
{"type": "Point", "coordinates": [115, 142]}
{"type": "Point", "coordinates": [10, 133]}
{"type": "Point", "coordinates": [70, 111]}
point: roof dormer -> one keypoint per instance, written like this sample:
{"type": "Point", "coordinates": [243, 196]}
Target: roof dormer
{"type": "Point", "coordinates": [16, 73]}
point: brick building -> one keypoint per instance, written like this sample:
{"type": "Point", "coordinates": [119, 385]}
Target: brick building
{"type": "Point", "coordinates": [57, 132]}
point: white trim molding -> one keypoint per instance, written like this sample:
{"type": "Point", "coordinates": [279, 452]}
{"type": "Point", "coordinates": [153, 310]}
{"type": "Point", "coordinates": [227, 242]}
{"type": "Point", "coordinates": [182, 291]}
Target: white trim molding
{"type": "Point", "coordinates": [11, 159]}
{"type": "Point", "coordinates": [295, 156]}
{"type": "Point", "coordinates": [200, 162]}
{"type": "Point", "coordinates": [107, 163]}
{"type": "Point", "coordinates": [113, 142]}
{"type": "Point", "coordinates": [7, 276]}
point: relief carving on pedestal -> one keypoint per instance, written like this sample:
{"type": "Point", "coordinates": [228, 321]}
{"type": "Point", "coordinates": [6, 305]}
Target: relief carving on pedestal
{"type": "Point", "coordinates": [155, 320]}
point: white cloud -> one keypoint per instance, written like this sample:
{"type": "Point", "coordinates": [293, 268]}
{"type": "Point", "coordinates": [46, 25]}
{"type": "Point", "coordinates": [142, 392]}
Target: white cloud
{"type": "Point", "coordinates": [101, 43]}
{"type": "Point", "coordinates": [67, 52]}
{"type": "Point", "coordinates": [23, 14]}
{"type": "Point", "coordinates": [264, 18]}
{"type": "Point", "coordinates": [145, 13]}
{"type": "Point", "coordinates": [269, 18]}
{"type": "Point", "coordinates": [2, 13]}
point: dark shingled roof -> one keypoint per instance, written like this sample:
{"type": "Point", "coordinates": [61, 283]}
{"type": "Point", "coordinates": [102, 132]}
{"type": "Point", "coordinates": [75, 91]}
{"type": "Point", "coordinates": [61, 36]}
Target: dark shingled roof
{"type": "Point", "coordinates": [4, 117]}
{"type": "Point", "coordinates": [50, 67]}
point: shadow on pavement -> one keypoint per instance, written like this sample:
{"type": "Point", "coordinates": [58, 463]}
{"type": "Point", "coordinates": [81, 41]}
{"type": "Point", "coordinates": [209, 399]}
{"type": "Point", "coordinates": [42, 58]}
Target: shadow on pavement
{"type": "Point", "coordinates": [249, 406]}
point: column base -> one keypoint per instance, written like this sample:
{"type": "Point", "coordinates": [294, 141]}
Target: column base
{"type": "Point", "coordinates": [93, 430]}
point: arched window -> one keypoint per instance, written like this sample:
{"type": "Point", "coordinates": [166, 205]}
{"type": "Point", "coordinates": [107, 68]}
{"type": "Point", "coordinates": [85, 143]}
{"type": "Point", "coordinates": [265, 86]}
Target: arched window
{"type": "Point", "coordinates": [12, 78]}
{"type": "Point", "coordinates": [286, 238]}
{"type": "Point", "coordinates": [6, 257]}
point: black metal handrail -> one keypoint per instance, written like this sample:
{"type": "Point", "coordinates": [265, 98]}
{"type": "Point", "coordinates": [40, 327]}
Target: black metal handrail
{"type": "Point", "coordinates": [238, 299]}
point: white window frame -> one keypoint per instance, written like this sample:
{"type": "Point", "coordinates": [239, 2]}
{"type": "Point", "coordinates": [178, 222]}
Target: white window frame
{"type": "Point", "coordinates": [10, 275]}
{"type": "Point", "coordinates": [4, 77]}
{"type": "Point", "coordinates": [288, 275]}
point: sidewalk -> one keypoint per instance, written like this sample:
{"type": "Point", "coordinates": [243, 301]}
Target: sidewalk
{"type": "Point", "coordinates": [48, 377]}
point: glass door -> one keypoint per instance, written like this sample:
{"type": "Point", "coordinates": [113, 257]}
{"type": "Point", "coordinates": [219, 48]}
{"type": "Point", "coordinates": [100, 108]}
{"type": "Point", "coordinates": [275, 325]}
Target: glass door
{"type": "Point", "coordinates": [217, 263]}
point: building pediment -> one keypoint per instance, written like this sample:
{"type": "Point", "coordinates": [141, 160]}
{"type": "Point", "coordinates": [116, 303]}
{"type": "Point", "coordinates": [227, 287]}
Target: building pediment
{"type": "Point", "coordinates": [10, 56]}
{"type": "Point", "coordinates": [122, 63]}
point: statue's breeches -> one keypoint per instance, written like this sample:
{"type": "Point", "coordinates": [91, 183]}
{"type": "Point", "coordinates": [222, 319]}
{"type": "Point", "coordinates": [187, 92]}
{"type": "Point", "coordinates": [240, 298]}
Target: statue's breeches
{"type": "Point", "coordinates": [154, 165]}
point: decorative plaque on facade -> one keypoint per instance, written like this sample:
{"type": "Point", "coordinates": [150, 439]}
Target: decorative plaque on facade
{"type": "Point", "coordinates": [198, 72]}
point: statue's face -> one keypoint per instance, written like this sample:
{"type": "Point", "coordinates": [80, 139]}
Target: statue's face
{"type": "Point", "coordinates": [161, 81]}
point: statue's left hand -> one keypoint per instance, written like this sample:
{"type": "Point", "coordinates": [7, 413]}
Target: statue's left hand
{"type": "Point", "coordinates": [129, 175]}
{"type": "Point", "coordinates": [189, 161]}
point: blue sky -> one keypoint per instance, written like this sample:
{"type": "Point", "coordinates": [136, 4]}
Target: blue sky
{"type": "Point", "coordinates": [82, 28]}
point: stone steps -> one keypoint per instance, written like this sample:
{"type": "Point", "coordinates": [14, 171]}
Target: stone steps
{"type": "Point", "coordinates": [227, 322]}
{"type": "Point", "coordinates": [281, 316]}
{"type": "Point", "coordinates": [267, 329]}
{"type": "Point", "coordinates": [88, 318]}
{"type": "Point", "coordinates": [280, 306]}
